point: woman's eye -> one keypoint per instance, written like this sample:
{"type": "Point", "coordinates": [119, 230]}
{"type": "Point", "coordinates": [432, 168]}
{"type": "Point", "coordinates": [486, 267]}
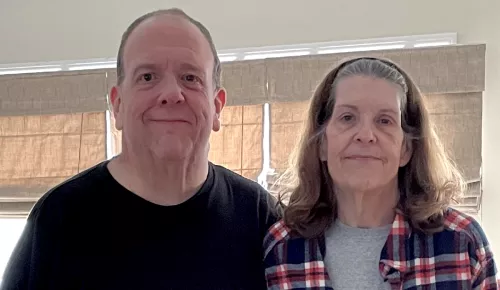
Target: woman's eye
{"type": "Point", "coordinates": [385, 121]}
{"type": "Point", "coordinates": [347, 118]}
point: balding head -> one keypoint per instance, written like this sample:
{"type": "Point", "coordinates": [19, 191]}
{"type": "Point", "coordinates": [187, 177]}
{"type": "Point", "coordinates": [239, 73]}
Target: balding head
{"type": "Point", "coordinates": [120, 70]}
{"type": "Point", "coordinates": [168, 99]}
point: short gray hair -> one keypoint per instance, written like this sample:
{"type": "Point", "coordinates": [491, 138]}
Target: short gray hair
{"type": "Point", "coordinates": [120, 71]}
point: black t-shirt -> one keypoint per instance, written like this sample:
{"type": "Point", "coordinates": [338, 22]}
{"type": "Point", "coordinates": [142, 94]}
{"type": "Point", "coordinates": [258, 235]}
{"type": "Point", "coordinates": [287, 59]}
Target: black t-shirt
{"type": "Point", "coordinates": [92, 233]}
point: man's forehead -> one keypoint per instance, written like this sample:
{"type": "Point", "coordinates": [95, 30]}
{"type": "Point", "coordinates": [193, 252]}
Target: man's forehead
{"type": "Point", "coordinates": [167, 30]}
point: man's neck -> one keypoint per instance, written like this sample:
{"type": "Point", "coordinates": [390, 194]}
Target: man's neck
{"type": "Point", "coordinates": [163, 182]}
{"type": "Point", "coordinates": [368, 209]}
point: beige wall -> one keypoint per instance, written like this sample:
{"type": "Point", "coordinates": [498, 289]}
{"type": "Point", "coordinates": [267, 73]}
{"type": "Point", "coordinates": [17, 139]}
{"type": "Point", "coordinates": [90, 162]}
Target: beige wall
{"type": "Point", "coordinates": [34, 31]}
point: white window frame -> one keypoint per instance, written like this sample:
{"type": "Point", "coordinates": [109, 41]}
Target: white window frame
{"type": "Point", "coordinates": [400, 42]}
{"type": "Point", "coordinates": [227, 55]}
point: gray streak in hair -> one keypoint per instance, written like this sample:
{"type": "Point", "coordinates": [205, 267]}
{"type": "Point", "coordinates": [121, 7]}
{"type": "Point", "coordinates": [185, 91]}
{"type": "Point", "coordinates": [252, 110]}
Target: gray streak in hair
{"type": "Point", "coordinates": [372, 68]}
{"type": "Point", "coordinates": [369, 67]}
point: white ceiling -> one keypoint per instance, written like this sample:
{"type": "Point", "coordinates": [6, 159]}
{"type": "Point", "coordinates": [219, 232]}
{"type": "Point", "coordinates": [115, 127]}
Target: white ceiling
{"type": "Point", "coordinates": [54, 30]}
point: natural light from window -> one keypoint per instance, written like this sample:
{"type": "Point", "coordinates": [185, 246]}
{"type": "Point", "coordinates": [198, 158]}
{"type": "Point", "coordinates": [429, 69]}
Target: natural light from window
{"type": "Point", "coordinates": [11, 230]}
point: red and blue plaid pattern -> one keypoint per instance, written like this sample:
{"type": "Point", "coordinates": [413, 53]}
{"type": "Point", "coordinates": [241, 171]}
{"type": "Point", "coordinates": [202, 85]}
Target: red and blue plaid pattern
{"type": "Point", "coordinates": [458, 258]}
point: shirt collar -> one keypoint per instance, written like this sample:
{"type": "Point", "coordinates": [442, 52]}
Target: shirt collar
{"type": "Point", "coordinates": [393, 256]}
{"type": "Point", "coordinates": [400, 225]}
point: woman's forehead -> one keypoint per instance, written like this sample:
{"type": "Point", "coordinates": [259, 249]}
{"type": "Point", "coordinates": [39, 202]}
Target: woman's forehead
{"type": "Point", "coordinates": [362, 92]}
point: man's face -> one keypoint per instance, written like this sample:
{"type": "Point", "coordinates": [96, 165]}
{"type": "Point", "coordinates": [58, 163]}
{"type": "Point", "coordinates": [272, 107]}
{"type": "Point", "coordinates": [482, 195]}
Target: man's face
{"type": "Point", "coordinates": [167, 103]}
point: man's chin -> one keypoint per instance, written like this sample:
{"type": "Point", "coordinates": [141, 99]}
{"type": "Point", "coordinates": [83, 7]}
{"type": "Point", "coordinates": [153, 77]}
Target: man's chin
{"type": "Point", "coordinates": [172, 151]}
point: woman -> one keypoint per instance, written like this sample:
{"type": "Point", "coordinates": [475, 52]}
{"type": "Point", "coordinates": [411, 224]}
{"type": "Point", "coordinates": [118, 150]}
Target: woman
{"type": "Point", "coordinates": [372, 189]}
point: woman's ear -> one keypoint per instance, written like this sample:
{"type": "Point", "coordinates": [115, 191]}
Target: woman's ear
{"type": "Point", "coordinates": [406, 152]}
{"type": "Point", "coordinates": [323, 149]}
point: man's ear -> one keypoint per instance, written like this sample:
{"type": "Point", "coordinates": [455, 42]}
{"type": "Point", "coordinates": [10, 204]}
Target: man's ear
{"type": "Point", "coordinates": [406, 152]}
{"type": "Point", "coordinates": [116, 101]}
{"type": "Point", "coordinates": [219, 102]}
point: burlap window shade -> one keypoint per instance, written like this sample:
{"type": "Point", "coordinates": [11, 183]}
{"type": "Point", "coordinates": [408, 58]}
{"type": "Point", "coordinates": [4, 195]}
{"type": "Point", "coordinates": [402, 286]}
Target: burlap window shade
{"type": "Point", "coordinates": [452, 78]}
{"type": "Point", "coordinates": [52, 125]}
{"type": "Point", "coordinates": [286, 120]}
{"type": "Point", "coordinates": [238, 145]}
{"type": "Point", "coordinates": [457, 118]}
{"type": "Point", "coordinates": [53, 93]}
{"type": "Point", "coordinates": [39, 152]}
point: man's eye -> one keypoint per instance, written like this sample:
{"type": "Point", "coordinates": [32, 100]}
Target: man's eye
{"type": "Point", "coordinates": [191, 78]}
{"type": "Point", "coordinates": [147, 77]}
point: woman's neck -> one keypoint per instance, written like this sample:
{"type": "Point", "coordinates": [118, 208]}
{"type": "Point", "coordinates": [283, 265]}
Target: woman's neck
{"type": "Point", "coordinates": [368, 209]}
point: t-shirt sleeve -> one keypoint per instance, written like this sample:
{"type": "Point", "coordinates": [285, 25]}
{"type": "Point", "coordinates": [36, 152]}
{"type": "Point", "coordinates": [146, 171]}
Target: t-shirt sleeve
{"type": "Point", "coordinates": [269, 211]}
{"type": "Point", "coordinates": [34, 254]}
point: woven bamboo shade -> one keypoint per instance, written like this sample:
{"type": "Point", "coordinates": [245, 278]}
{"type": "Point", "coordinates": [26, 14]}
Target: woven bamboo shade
{"type": "Point", "coordinates": [52, 125]}
{"type": "Point", "coordinates": [39, 152]}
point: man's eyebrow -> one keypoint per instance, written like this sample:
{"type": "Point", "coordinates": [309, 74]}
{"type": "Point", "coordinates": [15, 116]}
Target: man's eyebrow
{"type": "Point", "coordinates": [144, 66]}
{"type": "Point", "coordinates": [192, 67]}
{"type": "Point", "coordinates": [153, 66]}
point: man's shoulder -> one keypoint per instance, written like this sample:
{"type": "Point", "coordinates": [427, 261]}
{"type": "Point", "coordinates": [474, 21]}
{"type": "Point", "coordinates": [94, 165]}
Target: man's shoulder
{"type": "Point", "coordinates": [248, 194]}
{"type": "Point", "coordinates": [71, 191]}
{"type": "Point", "coordinates": [238, 182]}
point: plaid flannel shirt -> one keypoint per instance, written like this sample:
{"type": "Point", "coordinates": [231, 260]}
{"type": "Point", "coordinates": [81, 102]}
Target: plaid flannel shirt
{"type": "Point", "coordinates": [459, 257]}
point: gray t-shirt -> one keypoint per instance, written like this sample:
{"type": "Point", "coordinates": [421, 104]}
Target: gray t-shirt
{"type": "Point", "coordinates": [353, 255]}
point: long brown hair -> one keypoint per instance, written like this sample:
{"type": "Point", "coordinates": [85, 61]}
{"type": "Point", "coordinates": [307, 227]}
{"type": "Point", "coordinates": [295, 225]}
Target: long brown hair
{"type": "Point", "coordinates": [428, 184]}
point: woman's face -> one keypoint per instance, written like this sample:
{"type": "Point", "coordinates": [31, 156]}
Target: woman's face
{"type": "Point", "coordinates": [364, 145]}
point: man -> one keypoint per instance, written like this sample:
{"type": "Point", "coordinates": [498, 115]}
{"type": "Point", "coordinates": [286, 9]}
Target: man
{"type": "Point", "coordinates": [159, 215]}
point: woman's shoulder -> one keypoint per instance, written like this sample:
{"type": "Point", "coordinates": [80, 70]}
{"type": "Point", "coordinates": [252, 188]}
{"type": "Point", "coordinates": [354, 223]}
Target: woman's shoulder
{"type": "Point", "coordinates": [465, 232]}
{"type": "Point", "coordinates": [284, 246]}
{"type": "Point", "coordinates": [278, 233]}
{"type": "Point", "coordinates": [463, 224]}
{"type": "Point", "coordinates": [281, 236]}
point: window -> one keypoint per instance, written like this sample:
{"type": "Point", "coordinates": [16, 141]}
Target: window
{"type": "Point", "coordinates": [11, 230]}
{"type": "Point", "coordinates": [400, 42]}
{"type": "Point", "coordinates": [338, 47]}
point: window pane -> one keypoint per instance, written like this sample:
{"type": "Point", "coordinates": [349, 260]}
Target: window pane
{"type": "Point", "coordinates": [11, 230]}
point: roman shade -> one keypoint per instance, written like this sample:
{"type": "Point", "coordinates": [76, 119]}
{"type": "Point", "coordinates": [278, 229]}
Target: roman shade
{"type": "Point", "coordinates": [53, 125]}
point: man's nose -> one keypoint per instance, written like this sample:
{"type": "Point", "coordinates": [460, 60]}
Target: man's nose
{"type": "Point", "coordinates": [171, 92]}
